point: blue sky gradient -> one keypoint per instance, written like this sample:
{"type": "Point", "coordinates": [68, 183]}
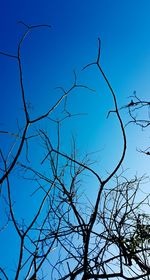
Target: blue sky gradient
{"type": "Point", "coordinates": [49, 57]}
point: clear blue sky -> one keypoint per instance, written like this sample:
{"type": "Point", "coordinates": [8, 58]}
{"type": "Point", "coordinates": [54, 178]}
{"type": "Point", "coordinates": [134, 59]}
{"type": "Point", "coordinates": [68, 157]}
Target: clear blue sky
{"type": "Point", "coordinates": [50, 56]}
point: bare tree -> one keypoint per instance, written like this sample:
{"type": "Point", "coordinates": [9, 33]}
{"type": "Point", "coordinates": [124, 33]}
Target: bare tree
{"type": "Point", "coordinates": [68, 235]}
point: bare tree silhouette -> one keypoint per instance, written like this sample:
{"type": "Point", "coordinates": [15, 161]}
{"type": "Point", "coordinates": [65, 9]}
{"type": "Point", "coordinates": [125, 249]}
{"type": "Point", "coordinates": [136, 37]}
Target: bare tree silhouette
{"type": "Point", "coordinates": [70, 236]}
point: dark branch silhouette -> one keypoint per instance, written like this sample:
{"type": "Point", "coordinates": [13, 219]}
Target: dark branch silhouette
{"type": "Point", "coordinates": [68, 232]}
